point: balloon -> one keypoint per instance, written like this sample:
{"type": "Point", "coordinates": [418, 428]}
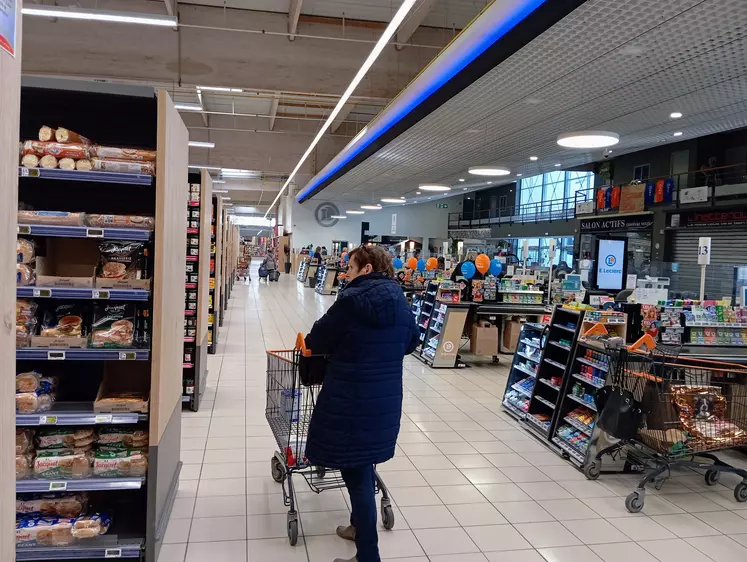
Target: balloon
{"type": "Point", "coordinates": [346, 256]}
{"type": "Point", "coordinates": [431, 264]}
{"type": "Point", "coordinates": [412, 263]}
{"type": "Point", "coordinates": [397, 263]}
{"type": "Point", "coordinates": [482, 263]}
{"type": "Point", "coordinates": [421, 264]}
{"type": "Point", "coordinates": [496, 267]}
{"type": "Point", "coordinates": [468, 269]}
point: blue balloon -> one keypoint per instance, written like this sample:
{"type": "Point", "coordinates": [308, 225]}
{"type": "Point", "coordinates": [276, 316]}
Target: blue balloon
{"type": "Point", "coordinates": [421, 264]}
{"type": "Point", "coordinates": [496, 267]}
{"type": "Point", "coordinates": [347, 257]}
{"type": "Point", "coordinates": [397, 263]}
{"type": "Point", "coordinates": [468, 269]}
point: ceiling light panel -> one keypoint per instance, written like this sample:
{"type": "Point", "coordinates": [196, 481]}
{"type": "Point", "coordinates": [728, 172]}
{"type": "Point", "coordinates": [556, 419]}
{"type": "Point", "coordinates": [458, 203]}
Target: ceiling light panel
{"type": "Point", "coordinates": [99, 15]}
{"type": "Point", "coordinates": [555, 67]}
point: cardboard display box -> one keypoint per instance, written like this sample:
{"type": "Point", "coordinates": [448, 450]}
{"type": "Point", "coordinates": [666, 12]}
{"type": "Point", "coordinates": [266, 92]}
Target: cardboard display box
{"type": "Point", "coordinates": [484, 340]}
{"type": "Point", "coordinates": [59, 342]}
{"type": "Point", "coordinates": [67, 262]}
{"type": "Point", "coordinates": [123, 389]}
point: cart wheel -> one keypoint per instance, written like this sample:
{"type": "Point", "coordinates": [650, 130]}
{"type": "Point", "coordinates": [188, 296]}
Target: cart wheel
{"type": "Point", "coordinates": [495, 359]}
{"type": "Point", "coordinates": [634, 502]}
{"type": "Point", "coordinates": [293, 532]}
{"type": "Point", "coordinates": [278, 472]}
{"type": "Point", "coordinates": [740, 492]}
{"type": "Point", "coordinates": [593, 470]}
{"type": "Point", "coordinates": [712, 477]}
{"type": "Point", "coordinates": [387, 517]}
{"type": "Point", "coordinates": [321, 472]}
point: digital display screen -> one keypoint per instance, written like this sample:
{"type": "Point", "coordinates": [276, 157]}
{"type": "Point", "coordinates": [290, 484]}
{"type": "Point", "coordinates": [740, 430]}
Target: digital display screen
{"type": "Point", "coordinates": [611, 264]}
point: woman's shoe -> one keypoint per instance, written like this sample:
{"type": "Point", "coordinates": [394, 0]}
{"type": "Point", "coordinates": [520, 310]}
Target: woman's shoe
{"type": "Point", "coordinates": [347, 533]}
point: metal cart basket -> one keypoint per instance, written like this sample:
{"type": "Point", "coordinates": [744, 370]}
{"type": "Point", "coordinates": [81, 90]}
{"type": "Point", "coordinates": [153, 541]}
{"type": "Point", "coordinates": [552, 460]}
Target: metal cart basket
{"type": "Point", "coordinates": [290, 406]}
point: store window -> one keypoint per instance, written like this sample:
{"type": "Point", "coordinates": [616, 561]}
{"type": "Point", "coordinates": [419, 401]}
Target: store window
{"type": "Point", "coordinates": [538, 251]}
{"type": "Point", "coordinates": [548, 195]}
{"type": "Point", "coordinates": [642, 172]}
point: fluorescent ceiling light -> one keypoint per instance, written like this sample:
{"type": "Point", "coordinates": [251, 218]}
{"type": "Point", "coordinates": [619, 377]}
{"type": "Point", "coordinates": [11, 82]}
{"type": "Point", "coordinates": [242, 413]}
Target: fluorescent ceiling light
{"type": "Point", "coordinates": [489, 171]}
{"type": "Point", "coordinates": [219, 181]}
{"type": "Point", "coordinates": [588, 139]}
{"type": "Point", "coordinates": [534, 158]}
{"type": "Point", "coordinates": [188, 106]}
{"type": "Point", "coordinates": [678, 134]}
{"type": "Point", "coordinates": [220, 191]}
{"type": "Point", "coordinates": [338, 217]}
{"type": "Point", "coordinates": [236, 173]}
{"type": "Point", "coordinates": [464, 189]}
{"type": "Point", "coordinates": [99, 15]}
{"type": "Point", "coordinates": [200, 144]}
{"type": "Point", "coordinates": [381, 44]}
{"type": "Point", "coordinates": [228, 204]}
{"type": "Point", "coordinates": [417, 193]}
{"type": "Point", "coordinates": [434, 187]}
{"type": "Point", "coordinates": [218, 89]}
{"type": "Point", "coordinates": [557, 165]}
{"type": "Point", "coordinates": [355, 212]}
{"type": "Point", "coordinates": [200, 166]}
{"type": "Point", "coordinates": [518, 175]}
{"type": "Point", "coordinates": [393, 200]}
{"type": "Point", "coordinates": [675, 115]}
{"type": "Point", "coordinates": [461, 179]}
{"type": "Point", "coordinates": [371, 207]}
{"type": "Point", "coordinates": [225, 198]}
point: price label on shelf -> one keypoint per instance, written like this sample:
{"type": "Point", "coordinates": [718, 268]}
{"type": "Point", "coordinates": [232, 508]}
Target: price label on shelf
{"type": "Point", "coordinates": [24, 229]}
{"type": "Point", "coordinates": [95, 232]}
{"type": "Point", "coordinates": [55, 355]}
{"type": "Point", "coordinates": [99, 294]}
{"type": "Point", "coordinates": [106, 418]}
{"type": "Point", "coordinates": [113, 553]}
{"type": "Point", "coordinates": [47, 420]}
{"type": "Point", "coordinates": [24, 172]}
{"type": "Point", "coordinates": [127, 355]}
{"type": "Point", "coordinates": [57, 486]}
{"type": "Point", "coordinates": [42, 293]}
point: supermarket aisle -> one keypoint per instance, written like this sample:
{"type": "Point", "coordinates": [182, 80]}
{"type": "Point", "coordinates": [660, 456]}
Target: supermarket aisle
{"type": "Point", "coordinates": [468, 484]}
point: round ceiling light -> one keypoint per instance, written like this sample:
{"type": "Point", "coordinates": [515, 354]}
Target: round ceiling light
{"type": "Point", "coordinates": [675, 115]}
{"type": "Point", "coordinates": [355, 212]}
{"type": "Point", "coordinates": [534, 158]}
{"type": "Point", "coordinates": [461, 179]}
{"type": "Point", "coordinates": [371, 207]}
{"type": "Point", "coordinates": [489, 171]}
{"type": "Point", "coordinates": [434, 187]}
{"type": "Point", "coordinates": [393, 200]}
{"type": "Point", "coordinates": [678, 134]}
{"type": "Point", "coordinates": [588, 139]}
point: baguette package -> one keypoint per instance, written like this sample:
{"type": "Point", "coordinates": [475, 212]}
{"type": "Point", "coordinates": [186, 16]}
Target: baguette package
{"type": "Point", "coordinates": [62, 465]}
{"type": "Point", "coordinates": [76, 151]}
{"type": "Point", "coordinates": [54, 218]}
{"type": "Point", "coordinates": [113, 325]}
{"type": "Point", "coordinates": [62, 505]}
{"type": "Point", "coordinates": [48, 161]}
{"type": "Point", "coordinates": [30, 161]}
{"type": "Point", "coordinates": [133, 154]}
{"type": "Point", "coordinates": [80, 439]}
{"type": "Point", "coordinates": [67, 136]}
{"type": "Point", "coordinates": [123, 166]}
{"type": "Point", "coordinates": [83, 165]}
{"type": "Point", "coordinates": [120, 463]}
{"type": "Point", "coordinates": [66, 164]}
{"type": "Point", "coordinates": [46, 134]}
{"type": "Point", "coordinates": [121, 221]}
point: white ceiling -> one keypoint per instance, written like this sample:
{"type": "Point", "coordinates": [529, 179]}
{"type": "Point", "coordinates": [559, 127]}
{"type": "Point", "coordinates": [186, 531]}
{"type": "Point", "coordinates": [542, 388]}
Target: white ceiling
{"type": "Point", "coordinates": [618, 65]}
{"type": "Point", "coordinates": [446, 13]}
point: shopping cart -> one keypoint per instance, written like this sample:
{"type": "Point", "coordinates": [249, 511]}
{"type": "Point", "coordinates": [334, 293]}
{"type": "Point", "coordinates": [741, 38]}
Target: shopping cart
{"type": "Point", "coordinates": [688, 408]}
{"type": "Point", "coordinates": [242, 271]}
{"type": "Point", "coordinates": [290, 405]}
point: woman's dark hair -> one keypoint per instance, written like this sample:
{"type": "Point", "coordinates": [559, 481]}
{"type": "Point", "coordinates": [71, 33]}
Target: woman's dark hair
{"type": "Point", "coordinates": [378, 257]}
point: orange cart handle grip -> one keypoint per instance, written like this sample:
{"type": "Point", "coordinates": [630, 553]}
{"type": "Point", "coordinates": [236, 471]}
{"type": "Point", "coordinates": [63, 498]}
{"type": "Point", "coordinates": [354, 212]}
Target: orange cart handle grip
{"type": "Point", "coordinates": [645, 340]}
{"type": "Point", "coordinates": [301, 345]}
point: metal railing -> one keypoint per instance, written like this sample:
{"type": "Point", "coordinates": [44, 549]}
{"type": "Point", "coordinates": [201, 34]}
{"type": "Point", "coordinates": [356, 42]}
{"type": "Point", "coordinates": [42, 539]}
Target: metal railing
{"type": "Point", "coordinates": [700, 187]}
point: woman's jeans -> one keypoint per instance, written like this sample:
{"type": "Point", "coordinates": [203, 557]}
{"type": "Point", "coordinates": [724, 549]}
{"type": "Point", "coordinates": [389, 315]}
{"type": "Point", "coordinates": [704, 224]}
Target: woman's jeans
{"type": "Point", "coordinates": [361, 484]}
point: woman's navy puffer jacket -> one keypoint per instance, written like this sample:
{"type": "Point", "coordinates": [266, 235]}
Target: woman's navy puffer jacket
{"type": "Point", "coordinates": [365, 333]}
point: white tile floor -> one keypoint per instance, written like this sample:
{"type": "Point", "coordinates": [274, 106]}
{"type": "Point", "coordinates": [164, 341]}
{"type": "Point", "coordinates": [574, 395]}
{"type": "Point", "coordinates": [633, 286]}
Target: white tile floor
{"type": "Point", "coordinates": [469, 485]}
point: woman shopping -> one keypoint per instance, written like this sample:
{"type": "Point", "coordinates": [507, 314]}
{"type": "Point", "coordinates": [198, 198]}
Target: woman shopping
{"type": "Point", "coordinates": [365, 335]}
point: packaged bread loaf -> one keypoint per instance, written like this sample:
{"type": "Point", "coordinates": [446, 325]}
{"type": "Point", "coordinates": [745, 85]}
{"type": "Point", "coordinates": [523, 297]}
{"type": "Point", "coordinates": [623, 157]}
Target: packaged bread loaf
{"type": "Point", "coordinates": [66, 164]}
{"type": "Point", "coordinates": [76, 151]}
{"type": "Point", "coordinates": [25, 252]}
{"type": "Point", "coordinates": [120, 463]}
{"type": "Point", "coordinates": [25, 274]}
{"type": "Point", "coordinates": [83, 165]}
{"type": "Point", "coordinates": [32, 381]}
{"type": "Point", "coordinates": [48, 161]}
{"type": "Point", "coordinates": [62, 505]}
{"type": "Point", "coordinates": [80, 439]}
{"type": "Point", "coordinates": [24, 464]}
{"type": "Point", "coordinates": [133, 154]}
{"type": "Point", "coordinates": [53, 218]}
{"type": "Point", "coordinates": [46, 134]}
{"type": "Point", "coordinates": [121, 221]}
{"type": "Point", "coordinates": [90, 526]}
{"type": "Point", "coordinates": [44, 531]}
{"type": "Point", "coordinates": [24, 440]}
{"type": "Point", "coordinates": [30, 161]}
{"type": "Point", "coordinates": [123, 166]}
{"type": "Point", "coordinates": [113, 325]}
{"type": "Point", "coordinates": [25, 321]}
{"type": "Point", "coordinates": [117, 438]}
{"type": "Point", "coordinates": [63, 320]}
{"type": "Point", "coordinates": [33, 402]}
{"type": "Point", "coordinates": [62, 465]}
{"type": "Point", "coordinates": [67, 136]}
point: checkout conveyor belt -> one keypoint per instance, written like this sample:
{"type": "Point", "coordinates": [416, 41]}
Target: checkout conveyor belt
{"type": "Point", "coordinates": [511, 309]}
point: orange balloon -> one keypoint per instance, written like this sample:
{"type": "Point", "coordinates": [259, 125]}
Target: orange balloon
{"type": "Point", "coordinates": [482, 263]}
{"type": "Point", "coordinates": [431, 264]}
{"type": "Point", "coordinates": [412, 263]}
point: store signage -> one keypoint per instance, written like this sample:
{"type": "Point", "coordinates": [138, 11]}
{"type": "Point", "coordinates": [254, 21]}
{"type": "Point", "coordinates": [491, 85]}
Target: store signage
{"type": "Point", "coordinates": [610, 266]}
{"type": "Point", "coordinates": [324, 212]}
{"type": "Point", "coordinates": [711, 218]}
{"type": "Point", "coordinates": [694, 195]}
{"type": "Point", "coordinates": [8, 26]}
{"type": "Point", "coordinates": [584, 207]}
{"type": "Point", "coordinates": [442, 205]}
{"type": "Point", "coordinates": [639, 222]}
{"type": "Point", "coordinates": [471, 233]}
{"type": "Point", "coordinates": [704, 250]}
{"type": "Point", "coordinates": [394, 223]}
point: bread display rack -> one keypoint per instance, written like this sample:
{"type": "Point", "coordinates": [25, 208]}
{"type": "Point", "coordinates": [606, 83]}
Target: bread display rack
{"type": "Point", "coordinates": [214, 296]}
{"type": "Point", "coordinates": [99, 323]}
{"type": "Point", "coordinates": [197, 275]}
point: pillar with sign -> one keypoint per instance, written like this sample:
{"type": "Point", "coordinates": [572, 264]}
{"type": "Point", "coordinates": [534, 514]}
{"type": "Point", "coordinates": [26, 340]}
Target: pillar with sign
{"type": "Point", "coordinates": [704, 260]}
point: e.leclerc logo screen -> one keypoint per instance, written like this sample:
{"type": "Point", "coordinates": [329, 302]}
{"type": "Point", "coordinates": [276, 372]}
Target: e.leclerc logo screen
{"type": "Point", "coordinates": [610, 264]}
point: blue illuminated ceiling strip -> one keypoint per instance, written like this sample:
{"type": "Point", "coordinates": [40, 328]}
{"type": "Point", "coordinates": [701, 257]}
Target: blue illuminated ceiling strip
{"type": "Point", "coordinates": [451, 67]}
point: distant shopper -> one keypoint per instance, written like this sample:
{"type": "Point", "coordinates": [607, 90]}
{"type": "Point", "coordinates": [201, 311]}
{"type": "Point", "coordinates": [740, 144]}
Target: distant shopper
{"type": "Point", "coordinates": [270, 266]}
{"type": "Point", "coordinates": [318, 253]}
{"type": "Point", "coordinates": [365, 335]}
{"type": "Point", "coordinates": [324, 250]}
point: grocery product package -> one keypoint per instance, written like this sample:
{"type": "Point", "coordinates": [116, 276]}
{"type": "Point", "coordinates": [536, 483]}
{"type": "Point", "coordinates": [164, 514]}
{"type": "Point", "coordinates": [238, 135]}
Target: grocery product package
{"type": "Point", "coordinates": [62, 465]}
{"type": "Point", "coordinates": [76, 151]}
{"type": "Point", "coordinates": [123, 166]}
{"type": "Point", "coordinates": [52, 218]}
{"type": "Point", "coordinates": [118, 438]}
{"type": "Point", "coordinates": [24, 440]}
{"type": "Point", "coordinates": [24, 465]}
{"type": "Point", "coordinates": [63, 320]}
{"type": "Point", "coordinates": [32, 381]}
{"type": "Point", "coordinates": [60, 505]}
{"type": "Point", "coordinates": [59, 531]}
{"type": "Point", "coordinates": [120, 463]}
{"type": "Point", "coordinates": [25, 250]}
{"type": "Point", "coordinates": [25, 321]}
{"type": "Point", "coordinates": [25, 274]}
{"type": "Point", "coordinates": [79, 439]}
{"type": "Point", "coordinates": [33, 402]}
{"type": "Point", "coordinates": [113, 325]}
{"type": "Point", "coordinates": [121, 221]}
{"type": "Point", "coordinates": [121, 260]}
{"type": "Point", "coordinates": [702, 411]}
{"type": "Point", "coordinates": [132, 154]}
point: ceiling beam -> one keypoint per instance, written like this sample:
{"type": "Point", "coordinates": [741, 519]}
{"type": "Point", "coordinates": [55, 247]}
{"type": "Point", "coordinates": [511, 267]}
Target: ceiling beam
{"type": "Point", "coordinates": [293, 14]}
{"type": "Point", "coordinates": [408, 27]}
{"type": "Point", "coordinates": [341, 117]}
{"type": "Point", "coordinates": [171, 7]}
{"type": "Point", "coordinates": [274, 109]}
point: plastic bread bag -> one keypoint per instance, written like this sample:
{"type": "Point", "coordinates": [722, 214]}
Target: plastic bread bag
{"type": "Point", "coordinates": [115, 153]}
{"type": "Point", "coordinates": [60, 505]}
{"type": "Point", "coordinates": [62, 465]}
{"type": "Point", "coordinates": [120, 463]}
{"type": "Point", "coordinates": [25, 275]}
{"type": "Point", "coordinates": [63, 320]}
{"type": "Point", "coordinates": [24, 440]}
{"type": "Point", "coordinates": [25, 310]}
{"type": "Point", "coordinates": [24, 464]}
{"type": "Point", "coordinates": [28, 382]}
{"type": "Point", "coordinates": [67, 136]}
{"type": "Point", "coordinates": [66, 438]}
{"type": "Point", "coordinates": [66, 164]}
{"type": "Point", "coordinates": [117, 438]}
{"type": "Point", "coordinates": [121, 221]}
{"type": "Point", "coordinates": [91, 526]}
{"type": "Point", "coordinates": [44, 531]}
{"type": "Point", "coordinates": [52, 218]}
{"type": "Point", "coordinates": [123, 166]}
{"type": "Point", "coordinates": [46, 134]}
{"type": "Point", "coordinates": [121, 260]}
{"type": "Point", "coordinates": [33, 402]}
{"type": "Point", "coordinates": [113, 325]}
{"type": "Point", "coordinates": [25, 250]}
{"type": "Point", "coordinates": [76, 151]}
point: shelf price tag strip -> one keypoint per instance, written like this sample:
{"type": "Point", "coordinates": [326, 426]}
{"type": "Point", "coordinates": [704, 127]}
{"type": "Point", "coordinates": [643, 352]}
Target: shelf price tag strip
{"type": "Point", "coordinates": [47, 420]}
{"type": "Point", "coordinates": [113, 553]}
{"type": "Point", "coordinates": [55, 355]}
{"type": "Point", "coordinates": [57, 486]}
{"type": "Point", "coordinates": [127, 355]}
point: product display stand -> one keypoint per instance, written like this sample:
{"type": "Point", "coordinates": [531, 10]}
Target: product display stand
{"type": "Point", "coordinates": [425, 308]}
{"type": "Point", "coordinates": [327, 281]}
{"type": "Point", "coordinates": [149, 367]}
{"type": "Point", "coordinates": [303, 269]}
{"type": "Point", "coordinates": [311, 277]}
{"type": "Point", "coordinates": [214, 296]}
{"type": "Point", "coordinates": [523, 373]}
{"type": "Point", "coordinates": [441, 332]}
{"type": "Point", "coordinates": [197, 283]}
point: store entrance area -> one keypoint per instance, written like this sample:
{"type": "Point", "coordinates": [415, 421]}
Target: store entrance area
{"type": "Point", "coordinates": [468, 483]}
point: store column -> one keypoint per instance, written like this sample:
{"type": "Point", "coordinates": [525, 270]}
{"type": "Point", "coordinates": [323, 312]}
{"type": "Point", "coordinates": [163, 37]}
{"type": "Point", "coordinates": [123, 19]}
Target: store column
{"type": "Point", "coordinates": [10, 106]}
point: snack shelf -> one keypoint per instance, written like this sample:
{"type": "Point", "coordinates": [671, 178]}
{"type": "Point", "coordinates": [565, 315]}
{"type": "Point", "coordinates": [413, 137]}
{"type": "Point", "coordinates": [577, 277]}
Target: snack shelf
{"type": "Point", "coordinates": [531, 344]}
{"type": "Point", "coordinates": [589, 381]}
{"type": "Point", "coordinates": [77, 413]}
{"type": "Point", "coordinates": [566, 328]}
{"type": "Point", "coordinates": [81, 354]}
{"type": "Point", "coordinates": [103, 547]}
{"type": "Point", "coordinates": [80, 485]}
{"type": "Point", "coordinates": [554, 363]}
{"type": "Point", "coordinates": [560, 345]}
{"type": "Point", "coordinates": [91, 176]}
{"type": "Point", "coordinates": [697, 324]}
{"type": "Point", "coordinates": [83, 232]}
{"type": "Point", "coordinates": [545, 402]}
{"type": "Point", "coordinates": [513, 409]}
{"type": "Point", "coordinates": [551, 385]}
{"type": "Point", "coordinates": [573, 422]}
{"type": "Point", "coordinates": [520, 390]}
{"type": "Point", "coordinates": [525, 356]}
{"type": "Point", "coordinates": [592, 364]}
{"type": "Point", "coordinates": [519, 367]}
{"type": "Point", "coordinates": [82, 294]}
{"type": "Point", "coordinates": [582, 402]}
{"type": "Point", "coordinates": [543, 426]}
{"type": "Point", "coordinates": [572, 451]}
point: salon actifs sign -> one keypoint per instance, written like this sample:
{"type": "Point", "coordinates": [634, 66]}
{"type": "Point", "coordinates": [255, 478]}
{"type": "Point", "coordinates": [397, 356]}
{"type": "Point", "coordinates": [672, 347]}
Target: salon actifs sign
{"type": "Point", "coordinates": [633, 222]}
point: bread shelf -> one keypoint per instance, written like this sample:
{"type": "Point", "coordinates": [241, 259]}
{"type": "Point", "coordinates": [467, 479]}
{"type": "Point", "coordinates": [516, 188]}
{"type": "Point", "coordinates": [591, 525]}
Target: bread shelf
{"type": "Point", "coordinates": [83, 232]}
{"type": "Point", "coordinates": [103, 547]}
{"type": "Point", "coordinates": [82, 294]}
{"type": "Point", "coordinates": [80, 485]}
{"type": "Point", "coordinates": [82, 354]}
{"type": "Point", "coordinates": [77, 413]}
{"type": "Point", "coordinates": [78, 175]}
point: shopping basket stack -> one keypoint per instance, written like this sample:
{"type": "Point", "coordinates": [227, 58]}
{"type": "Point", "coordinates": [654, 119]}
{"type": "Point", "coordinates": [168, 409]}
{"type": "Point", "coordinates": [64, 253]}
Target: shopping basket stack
{"type": "Point", "coordinates": [290, 406]}
{"type": "Point", "coordinates": [668, 411]}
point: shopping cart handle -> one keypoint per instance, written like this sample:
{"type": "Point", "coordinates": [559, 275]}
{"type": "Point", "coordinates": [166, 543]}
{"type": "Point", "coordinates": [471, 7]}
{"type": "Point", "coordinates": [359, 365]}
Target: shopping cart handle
{"type": "Point", "coordinates": [597, 329]}
{"type": "Point", "coordinates": [645, 341]}
{"type": "Point", "coordinates": [301, 345]}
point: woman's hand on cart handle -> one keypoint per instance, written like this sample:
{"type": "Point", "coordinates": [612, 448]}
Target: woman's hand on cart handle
{"type": "Point", "coordinates": [301, 345]}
